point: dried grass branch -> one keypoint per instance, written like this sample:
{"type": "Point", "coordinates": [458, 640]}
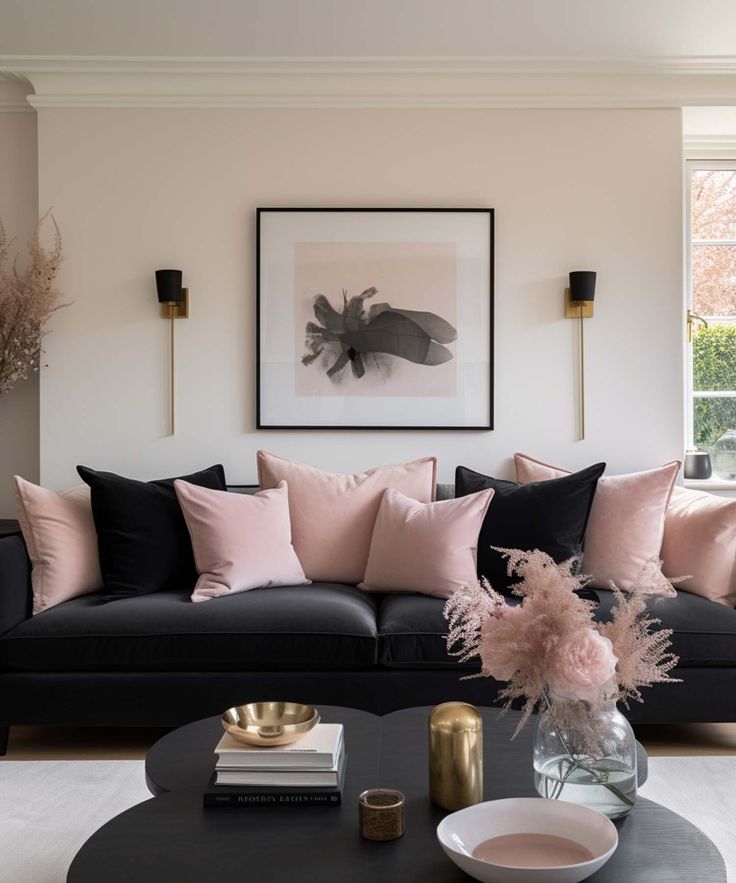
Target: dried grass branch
{"type": "Point", "coordinates": [28, 297]}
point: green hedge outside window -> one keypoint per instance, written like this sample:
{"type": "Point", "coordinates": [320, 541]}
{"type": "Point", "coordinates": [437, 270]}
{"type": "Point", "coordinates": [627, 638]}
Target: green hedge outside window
{"type": "Point", "coordinates": [714, 368]}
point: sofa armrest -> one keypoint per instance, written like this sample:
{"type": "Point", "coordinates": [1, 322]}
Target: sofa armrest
{"type": "Point", "coordinates": [16, 598]}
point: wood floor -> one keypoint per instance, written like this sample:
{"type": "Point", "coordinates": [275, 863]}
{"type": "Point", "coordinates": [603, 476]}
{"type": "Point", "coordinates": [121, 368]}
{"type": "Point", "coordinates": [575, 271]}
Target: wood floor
{"type": "Point", "coordinates": [92, 743]}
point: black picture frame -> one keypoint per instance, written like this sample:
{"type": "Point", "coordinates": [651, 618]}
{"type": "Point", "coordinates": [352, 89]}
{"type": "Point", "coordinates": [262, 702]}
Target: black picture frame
{"type": "Point", "coordinates": [474, 427]}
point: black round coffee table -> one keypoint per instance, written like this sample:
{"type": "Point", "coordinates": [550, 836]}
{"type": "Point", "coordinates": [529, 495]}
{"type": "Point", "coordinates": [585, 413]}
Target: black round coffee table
{"type": "Point", "coordinates": [173, 838]}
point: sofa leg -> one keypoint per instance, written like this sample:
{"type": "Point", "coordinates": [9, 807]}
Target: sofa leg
{"type": "Point", "coordinates": [4, 733]}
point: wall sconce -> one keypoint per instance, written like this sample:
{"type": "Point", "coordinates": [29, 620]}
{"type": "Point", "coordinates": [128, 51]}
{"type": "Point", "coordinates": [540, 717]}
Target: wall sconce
{"type": "Point", "coordinates": [174, 302]}
{"type": "Point", "coordinates": [579, 299]}
{"type": "Point", "coordinates": [692, 318]}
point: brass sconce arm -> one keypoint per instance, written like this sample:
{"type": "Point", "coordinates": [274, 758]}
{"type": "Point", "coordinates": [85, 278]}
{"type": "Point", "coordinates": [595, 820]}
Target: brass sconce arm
{"type": "Point", "coordinates": [691, 318]}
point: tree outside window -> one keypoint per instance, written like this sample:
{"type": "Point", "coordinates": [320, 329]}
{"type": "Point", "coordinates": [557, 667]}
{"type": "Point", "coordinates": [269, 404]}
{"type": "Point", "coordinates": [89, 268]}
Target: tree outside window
{"type": "Point", "coordinates": [713, 281]}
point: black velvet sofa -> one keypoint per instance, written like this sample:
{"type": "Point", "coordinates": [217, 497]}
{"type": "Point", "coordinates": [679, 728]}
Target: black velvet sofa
{"type": "Point", "coordinates": [160, 660]}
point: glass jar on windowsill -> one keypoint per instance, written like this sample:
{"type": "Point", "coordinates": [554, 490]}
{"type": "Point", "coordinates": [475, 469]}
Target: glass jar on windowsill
{"type": "Point", "coordinates": [723, 455]}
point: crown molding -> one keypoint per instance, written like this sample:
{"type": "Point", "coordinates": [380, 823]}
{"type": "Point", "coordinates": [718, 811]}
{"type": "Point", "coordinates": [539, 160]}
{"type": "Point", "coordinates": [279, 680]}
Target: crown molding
{"type": "Point", "coordinates": [15, 105]}
{"type": "Point", "coordinates": [708, 146]}
{"type": "Point", "coordinates": [97, 81]}
{"type": "Point", "coordinates": [13, 94]}
{"type": "Point", "coordinates": [407, 101]}
{"type": "Point", "coordinates": [331, 65]}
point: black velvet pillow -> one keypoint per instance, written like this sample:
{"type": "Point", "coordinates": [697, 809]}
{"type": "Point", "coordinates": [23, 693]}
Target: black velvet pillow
{"type": "Point", "coordinates": [142, 537]}
{"type": "Point", "coordinates": [548, 515]}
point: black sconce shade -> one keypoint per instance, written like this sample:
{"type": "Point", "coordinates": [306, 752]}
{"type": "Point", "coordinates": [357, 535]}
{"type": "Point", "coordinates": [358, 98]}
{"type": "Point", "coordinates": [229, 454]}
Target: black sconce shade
{"type": "Point", "coordinates": [168, 286]}
{"type": "Point", "coordinates": [582, 286]}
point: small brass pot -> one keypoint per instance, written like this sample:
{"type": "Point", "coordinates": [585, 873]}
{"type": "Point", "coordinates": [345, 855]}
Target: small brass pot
{"type": "Point", "coordinates": [267, 724]}
{"type": "Point", "coordinates": [455, 755]}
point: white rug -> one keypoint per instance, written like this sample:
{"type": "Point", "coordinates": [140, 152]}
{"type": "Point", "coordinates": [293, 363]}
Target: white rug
{"type": "Point", "coordinates": [49, 808]}
{"type": "Point", "coordinates": [703, 791]}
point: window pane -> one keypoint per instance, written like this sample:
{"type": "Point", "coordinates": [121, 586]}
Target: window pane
{"type": "Point", "coordinates": [714, 280]}
{"type": "Point", "coordinates": [714, 357]}
{"type": "Point", "coordinates": [712, 418]}
{"type": "Point", "coordinates": [713, 204]}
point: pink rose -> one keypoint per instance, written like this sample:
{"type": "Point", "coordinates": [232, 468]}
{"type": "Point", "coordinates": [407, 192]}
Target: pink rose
{"type": "Point", "coordinates": [583, 663]}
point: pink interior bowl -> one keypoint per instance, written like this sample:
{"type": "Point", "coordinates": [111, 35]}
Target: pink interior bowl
{"type": "Point", "coordinates": [461, 832]}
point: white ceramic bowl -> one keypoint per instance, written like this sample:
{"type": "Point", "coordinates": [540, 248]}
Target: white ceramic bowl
{"type": "Point", "coordinates": [460, 833]}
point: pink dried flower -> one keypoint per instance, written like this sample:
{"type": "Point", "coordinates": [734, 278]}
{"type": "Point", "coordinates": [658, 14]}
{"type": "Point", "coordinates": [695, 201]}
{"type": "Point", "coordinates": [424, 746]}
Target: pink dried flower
{"type": "Point", "coordinates": [583, 664]}
{"type": "Point", "coordinates": [644, 657]}
{"type": "Point", "coordinates": [550, 641]}
{"type": "Point", "coordinates": [502, 659]}
{"type": "Point", "coordinates": [540, 574]}
{"type": "Point", "coordinates": [520, 639]}
{"type": "Point", "coordinates": [466, 611]}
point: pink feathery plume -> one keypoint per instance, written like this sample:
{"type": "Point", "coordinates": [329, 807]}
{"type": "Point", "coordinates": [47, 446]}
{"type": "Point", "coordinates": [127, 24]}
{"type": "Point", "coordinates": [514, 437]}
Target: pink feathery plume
{"type": "Point", "coordinates": [515, 642]}
{"type": "Point", "coordinates": [465, 612]}
{"type": "Point", "coordinates": [643, 653]}
{"type": "Point", "coordinates": [523, 644]}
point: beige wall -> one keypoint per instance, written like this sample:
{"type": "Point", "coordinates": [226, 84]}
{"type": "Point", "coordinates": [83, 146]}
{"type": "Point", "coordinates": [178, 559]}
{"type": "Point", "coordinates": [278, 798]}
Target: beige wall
{"type": "Point", "coordinates": [137, 189]}
{"type": "Point", "coordinates": [18, 211]}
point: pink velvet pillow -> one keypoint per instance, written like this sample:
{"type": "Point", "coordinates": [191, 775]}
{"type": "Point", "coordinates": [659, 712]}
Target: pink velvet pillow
{"type": "Point", "coordinates": [62, 542]}
{"type": "Point", "coordinates": [333, 514]}
{"type": "Point", "coordinates": [626, 525]}
{"type": "Point", "coordinates": [240, 541]}
{"type": "Point", "coordinates": [529, 470]}
{"type": "Point", "coordinates": [425, 547]}
{"type": "Point", "coordinates": [700, 540]}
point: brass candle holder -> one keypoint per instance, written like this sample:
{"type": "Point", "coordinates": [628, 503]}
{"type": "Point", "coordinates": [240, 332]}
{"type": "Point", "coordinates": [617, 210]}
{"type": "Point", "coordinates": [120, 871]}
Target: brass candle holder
{"type": "Point", "coordinates": [455, 755]}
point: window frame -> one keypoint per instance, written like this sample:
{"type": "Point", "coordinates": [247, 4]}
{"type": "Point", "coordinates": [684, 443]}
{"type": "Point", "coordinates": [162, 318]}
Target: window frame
{"type": "Point", "coordinates": [691, 165]}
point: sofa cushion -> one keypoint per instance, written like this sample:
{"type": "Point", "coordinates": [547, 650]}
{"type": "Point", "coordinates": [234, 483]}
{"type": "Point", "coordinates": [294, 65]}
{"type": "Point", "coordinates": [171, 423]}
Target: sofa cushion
{"type": "Point", "coordinates": [59, 532]}
{"type": "Point", "coordinates": [412, 633]}
{"type": "Point", "coordinates": [547, 515]}
{"type": "Point", "coordinates": [333, 514]}
{"type": "Point", "coordinates": [412, 630]}
{"type": "Point", "coordinates": [623, 538]}
{"type": "Point", "coordinates": [700, 541]}
{"type": "Point", "coordinates": [142, 537]}
{"type": "Point", "coordinates": [240, 541]}
{"type": "Point", "coordinates": [322, 626]}
{"type": "Point", "coordinates": [429, 548]}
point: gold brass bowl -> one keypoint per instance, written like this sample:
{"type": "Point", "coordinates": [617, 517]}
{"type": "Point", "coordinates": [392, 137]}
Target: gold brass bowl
{"type": "Point", "coordinates": [267, 724]}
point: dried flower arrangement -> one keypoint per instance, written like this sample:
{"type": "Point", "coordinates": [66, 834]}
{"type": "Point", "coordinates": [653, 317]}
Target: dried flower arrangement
{"type": "Point", "coordinates": [27, 299]}
{"type": "Point", "coordinates": [554, 657]}
{"type": "Point", "coordinates": [549, 644]}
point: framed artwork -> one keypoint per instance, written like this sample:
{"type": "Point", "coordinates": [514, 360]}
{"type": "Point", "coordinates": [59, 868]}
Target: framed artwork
{"type": "Point", "coordinates": [374, 318]}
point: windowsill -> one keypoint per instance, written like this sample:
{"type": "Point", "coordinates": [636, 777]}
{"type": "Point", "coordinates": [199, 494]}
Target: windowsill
{"type": "Point", "coordinates": [710, 484]}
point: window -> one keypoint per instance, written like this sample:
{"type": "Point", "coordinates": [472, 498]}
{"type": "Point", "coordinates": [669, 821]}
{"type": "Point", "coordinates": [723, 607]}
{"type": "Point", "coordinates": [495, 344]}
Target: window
{"type": "Point", "coordinates": [712, 298]}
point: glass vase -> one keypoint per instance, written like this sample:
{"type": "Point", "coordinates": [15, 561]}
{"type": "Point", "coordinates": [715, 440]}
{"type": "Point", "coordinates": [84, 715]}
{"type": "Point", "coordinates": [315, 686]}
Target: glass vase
{"type": "Point", "coordinates": [585, 754]}
{"type": "Point", "coordinates": [723, 455]}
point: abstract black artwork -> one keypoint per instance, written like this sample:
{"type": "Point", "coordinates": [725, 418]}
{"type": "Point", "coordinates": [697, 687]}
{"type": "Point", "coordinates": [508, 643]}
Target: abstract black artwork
{"type": "Point", "coordinates": [375, 318]}
{"type": "Point", "coordinates": [354, 336]}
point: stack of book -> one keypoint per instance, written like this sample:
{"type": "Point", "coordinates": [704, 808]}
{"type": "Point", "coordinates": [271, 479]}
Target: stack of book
{"type": "Point", "coordinates": [309, 772]}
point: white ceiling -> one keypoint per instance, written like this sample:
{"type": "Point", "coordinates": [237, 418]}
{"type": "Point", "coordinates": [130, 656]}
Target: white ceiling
{"type": "Point", "coordinates": [572, 28]}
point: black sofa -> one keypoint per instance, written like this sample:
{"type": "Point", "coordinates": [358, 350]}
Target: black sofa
{"type": "Point", "coordinates": [160, 660]}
